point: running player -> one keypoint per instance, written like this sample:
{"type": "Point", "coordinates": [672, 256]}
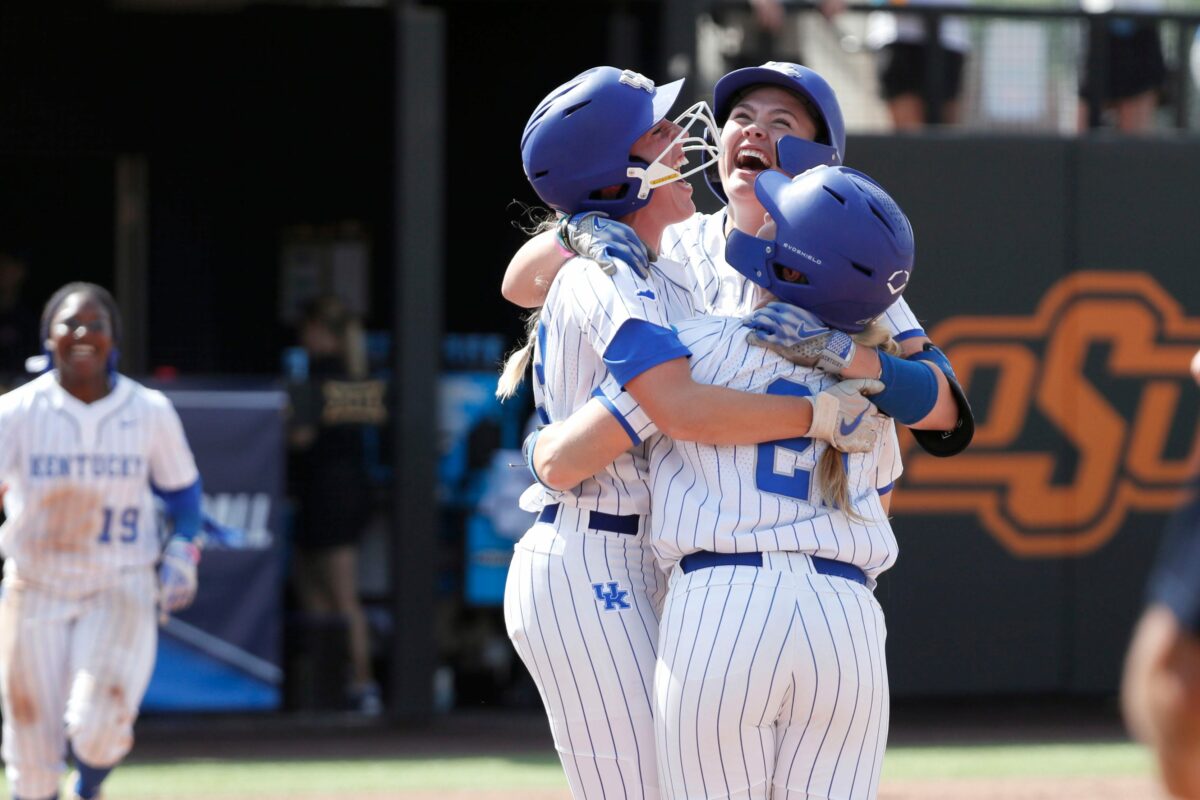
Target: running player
{"type": "Point", "coordinates": [778, 116]}
{"type": "Point", "coordinates": [771, 679]}
{"type": "Point", "coordinates": [82, 447]}
{"type": "Point", "coordinates": [583, 594]}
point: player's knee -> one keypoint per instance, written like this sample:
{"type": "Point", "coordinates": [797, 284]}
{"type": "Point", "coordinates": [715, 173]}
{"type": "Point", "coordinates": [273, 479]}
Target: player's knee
{"type": "Point", "coordinates": [100, 726]}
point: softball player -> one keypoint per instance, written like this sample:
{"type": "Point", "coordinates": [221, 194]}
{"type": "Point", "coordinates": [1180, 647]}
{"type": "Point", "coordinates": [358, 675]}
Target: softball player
{"type": "Point", "coordinates": [771, 678]}
{"type": "Point", "coordinates": [81, 449]}
{"type": "Point", "coordinates": [582, 599]}
{"type": "Point", "coordinates": [786, 117]}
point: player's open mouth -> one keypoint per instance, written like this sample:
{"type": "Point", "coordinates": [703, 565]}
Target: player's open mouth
{"type": "Point", "coordinates": [81, 352]}
{"type": "Point", "coordinates": [751, 159]}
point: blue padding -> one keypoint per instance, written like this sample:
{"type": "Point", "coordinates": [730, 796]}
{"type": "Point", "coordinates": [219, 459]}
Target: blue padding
{"type": "Point", "coordinates": [934, 355]}
{"type": "Point", "coordinates": [612, 409]}
{"type": "Point", "coordinates": [912, 389]}
{"type": "Point", "coordinates": [188, 680]}
{"type": "Point", "coordinates": [183, 506]}
{"type": "Point", "coordinates": [640, 345]}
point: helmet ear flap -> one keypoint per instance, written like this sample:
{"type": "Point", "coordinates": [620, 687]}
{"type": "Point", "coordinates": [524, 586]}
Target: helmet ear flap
{"type": "Point", "coordinates": [750, 256]}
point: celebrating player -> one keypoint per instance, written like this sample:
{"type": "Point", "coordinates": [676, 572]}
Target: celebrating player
{"type": "Point", "coordinates": [771, 679]}
{"type": "Point", "coordinates": [786, 117]}
{"type": "Point", "coordinates": [582, 599]}
{"type": "Point", "coordinates": [81, 449]}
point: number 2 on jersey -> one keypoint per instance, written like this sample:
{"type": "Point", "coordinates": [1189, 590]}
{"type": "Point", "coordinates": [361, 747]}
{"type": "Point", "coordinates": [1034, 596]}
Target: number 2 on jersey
{"type": "Point", "coordinates": [776, 470]}
{"type": "Point", "coordinates": [124, 527]}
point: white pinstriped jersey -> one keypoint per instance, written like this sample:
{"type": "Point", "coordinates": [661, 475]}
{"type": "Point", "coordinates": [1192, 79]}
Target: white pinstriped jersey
{"type": "Point", "coordinates": [699, 242]}
{"type": "Point", "coordinates": [762, 497]}
{"type": "Point", "coordinates": [583, 312]}
{"type": "Point", "coordinates": [79, 506]}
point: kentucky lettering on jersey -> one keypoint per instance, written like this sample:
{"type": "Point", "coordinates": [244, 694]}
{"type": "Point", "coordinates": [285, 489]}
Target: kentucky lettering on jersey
{"type": "Point", "coordinates": [79, 506]}
{"type": "Point", "coordinates": [85, 465]}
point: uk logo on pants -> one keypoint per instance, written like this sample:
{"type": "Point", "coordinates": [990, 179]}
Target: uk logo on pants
{"type": "Point", "coordinates": [613, 597]}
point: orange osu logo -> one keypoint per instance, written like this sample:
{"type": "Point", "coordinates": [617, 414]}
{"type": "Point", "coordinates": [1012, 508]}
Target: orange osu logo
{"type": "Point", "coordinates": [1081, 403]}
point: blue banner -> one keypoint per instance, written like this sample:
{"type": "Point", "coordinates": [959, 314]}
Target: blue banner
{"type": "Point", "coordinates": [224, 653]}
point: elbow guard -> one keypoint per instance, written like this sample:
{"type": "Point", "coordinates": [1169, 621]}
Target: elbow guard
{"type": "Point", "coordinates": [954, 441]}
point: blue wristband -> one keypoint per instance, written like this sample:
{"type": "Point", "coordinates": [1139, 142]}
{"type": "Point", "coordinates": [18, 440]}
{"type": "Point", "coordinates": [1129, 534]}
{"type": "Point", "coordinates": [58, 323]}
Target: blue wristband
{"type": "Point", "coordinates": [912, 389]}
{"type": "Point", "coordinates": [527, 451]}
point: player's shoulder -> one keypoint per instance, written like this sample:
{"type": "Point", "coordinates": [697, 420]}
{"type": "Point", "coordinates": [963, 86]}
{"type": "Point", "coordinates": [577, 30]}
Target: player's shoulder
{"type": "Point", "coordinates": [706, 333]}
{"type": "Point", "coordinates": [27, 393]}
{"type": "Point", "coordinates": [145, 397]}
{"type": "Point", "coordinates": [585, 282]}
{"type": "Point", "coordinates": [576, 271]}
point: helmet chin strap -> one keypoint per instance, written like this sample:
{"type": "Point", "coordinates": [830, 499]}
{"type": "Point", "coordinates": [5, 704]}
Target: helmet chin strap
{"type": "Point", "coordinates": [659, 174]}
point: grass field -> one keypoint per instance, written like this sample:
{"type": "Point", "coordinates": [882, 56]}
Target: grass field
{"type": "Point", "coordinates": [540, 776]}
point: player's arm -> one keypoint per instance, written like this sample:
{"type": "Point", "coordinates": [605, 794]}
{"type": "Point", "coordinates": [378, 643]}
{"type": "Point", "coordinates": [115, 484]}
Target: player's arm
{"type": "Point", "coordinates": [175, 479]}
{"type": "Point", "coordinates": [592, 235]}
{"type": "Point", "coordinates": [922, 390]}
{"type": "Point", "coordinates": [1160, 697]}
{"type": "Point", "coordinates": [565, 453]}
{"type": "Point", "coordinates": [531, 271]}
{"type": "Point", "coordinates": [670, 401]}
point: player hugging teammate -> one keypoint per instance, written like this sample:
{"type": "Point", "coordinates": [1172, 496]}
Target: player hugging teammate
{"type": "Point", "coordinates": [768, 540]}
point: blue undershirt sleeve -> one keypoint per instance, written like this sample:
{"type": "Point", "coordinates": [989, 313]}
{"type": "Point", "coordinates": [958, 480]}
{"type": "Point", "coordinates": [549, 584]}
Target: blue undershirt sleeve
{"type": "Point", "coordinates": [183, 506]}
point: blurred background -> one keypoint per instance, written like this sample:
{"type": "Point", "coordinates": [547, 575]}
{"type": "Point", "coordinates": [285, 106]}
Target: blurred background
{"type": "Point", "coordinates": [305, 209]}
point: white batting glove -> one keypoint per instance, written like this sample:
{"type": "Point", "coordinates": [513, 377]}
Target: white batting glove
{"type": "Point", "coordinates": [845, 418]}
{"type": "Point", "coordinates": [593, 235]}
{"type": "Point", "coordinates": [177, 579]}
{"type": "Point", "coordinates": [800, 337]}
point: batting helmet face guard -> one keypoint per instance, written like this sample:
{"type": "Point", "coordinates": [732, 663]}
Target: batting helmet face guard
{"type": "Point", "coordinates": [793, 154]}
{"type": "Point", "coordinates": [578, 141]}
{"type": "Point", "coordinates": [842, 247]}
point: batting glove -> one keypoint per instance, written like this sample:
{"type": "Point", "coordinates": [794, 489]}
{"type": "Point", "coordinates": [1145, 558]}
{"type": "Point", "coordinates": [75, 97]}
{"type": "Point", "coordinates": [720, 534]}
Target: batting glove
{"type": "Point", "coordinates": [607, 242]}
{"type": "Point", "coordinates": [177, 575]}
{"type": "Point", "coordinates": [800, 337]}
{"type": "Point", "coordinates": [845, 418]}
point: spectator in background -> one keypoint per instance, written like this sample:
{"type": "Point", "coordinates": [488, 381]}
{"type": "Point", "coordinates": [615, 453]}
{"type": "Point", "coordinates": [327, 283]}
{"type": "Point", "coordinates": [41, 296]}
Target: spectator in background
{"type": "Point", "coordinates": [18, 320]}
{"type": "Point", "coordinates": [766, 33]}
{"type": "Point", "coordinates": [330, 481]}
{"type": "Point", "coordinates": [904, 60]}
{"type": "Point", "coordinates": [1133, 72]}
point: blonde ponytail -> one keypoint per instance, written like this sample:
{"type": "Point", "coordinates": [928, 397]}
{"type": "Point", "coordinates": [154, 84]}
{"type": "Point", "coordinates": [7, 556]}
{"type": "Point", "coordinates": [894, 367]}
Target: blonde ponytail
{"type": "Point", "coordinates": [518, 360]}
{"type": "Point", "coordinates": [831, 471]}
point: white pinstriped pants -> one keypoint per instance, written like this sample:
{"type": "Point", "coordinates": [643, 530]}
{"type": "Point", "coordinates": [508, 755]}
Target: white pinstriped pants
{"type": "Point", "coordinates": [72, 667]}
{"type": "Point", "coordinates": [771, 683]}
{"type": "Point", "coordinates": [591, 657]}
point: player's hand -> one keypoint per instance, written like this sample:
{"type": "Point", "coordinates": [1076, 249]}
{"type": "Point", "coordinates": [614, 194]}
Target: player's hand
{"type": "Point", "coordinates": [177, 575]}
{"type": "Point", "coordinates": [844, 417]}
{"type": "Point", "coordinates": [800, 337]}
{"type": "Point", "coordinates": [605, 241]}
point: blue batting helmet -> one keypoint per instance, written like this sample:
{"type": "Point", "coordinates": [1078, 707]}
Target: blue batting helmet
{"type": "Point", "coordinates": [846, 237]}
{"type": "Point", "coordinates": [578, 140]}
{"type": "Point", "coordinates": [793, 154]}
